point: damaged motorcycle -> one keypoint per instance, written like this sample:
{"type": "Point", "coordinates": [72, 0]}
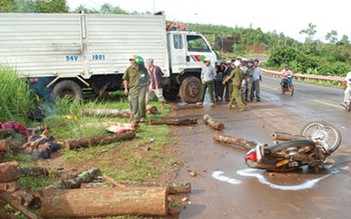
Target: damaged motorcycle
{"type": "Point", "coordinates": [322, 139]}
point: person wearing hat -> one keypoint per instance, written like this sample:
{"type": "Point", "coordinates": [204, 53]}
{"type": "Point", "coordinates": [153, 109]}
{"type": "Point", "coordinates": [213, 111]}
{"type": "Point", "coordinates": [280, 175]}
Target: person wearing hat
{"type": "Point", "coordinates": [137, 81]}
{"type": "Point", "coordinates": [129, 80]}
{"type": "Point", "coordinates": [207, 79]}
{"type": "Point", "coordinates": [238, 75]}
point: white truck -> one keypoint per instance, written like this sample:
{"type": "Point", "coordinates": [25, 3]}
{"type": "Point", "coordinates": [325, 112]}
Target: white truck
{"type": "Point", "coordinates": [64, 54]}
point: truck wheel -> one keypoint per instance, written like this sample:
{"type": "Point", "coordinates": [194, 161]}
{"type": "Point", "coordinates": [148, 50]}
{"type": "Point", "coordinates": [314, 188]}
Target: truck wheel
{"type": "Point", "coordinates": [67, 88]}
{"type": "Point", "coordinates": [190, 89]}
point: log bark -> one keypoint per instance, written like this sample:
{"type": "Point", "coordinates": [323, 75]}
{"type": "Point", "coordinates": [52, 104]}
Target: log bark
{"type": "Point", "coordinates": [215, 124]}
{"type": "Point", "coordinates": [4, 133]}
{"type": "Point", "coordinates": [98, 139]}
{"type": "Point", "coordinates": [173, 188]}
{"type": "Point", "coordinates": [4, 145]}
{"type": "Point", "coordinates": [283, 136]}
{"type": "Point", "coordinates": [6, 197]}
{"type": "Point", "coordinates": [10, 171]}
{"type": "Point", "coordinates": [123, 113]}
{"type": "Point", "coordinates": [103, 202]}
{"type": "Point", "coordinates": [84, 177]}
{"type": "Point", "coordinates": [235, 141]}
{"type": "Point", "coordinates": [173, 121]}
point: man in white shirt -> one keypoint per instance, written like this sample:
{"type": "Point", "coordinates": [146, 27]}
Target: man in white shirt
{"type": "Point", "coordinates": [347, 85]}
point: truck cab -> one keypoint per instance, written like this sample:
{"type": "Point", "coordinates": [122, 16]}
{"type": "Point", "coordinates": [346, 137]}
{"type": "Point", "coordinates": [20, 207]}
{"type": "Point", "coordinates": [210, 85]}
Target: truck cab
{"type": "Point", "coordinates": [187, 51]}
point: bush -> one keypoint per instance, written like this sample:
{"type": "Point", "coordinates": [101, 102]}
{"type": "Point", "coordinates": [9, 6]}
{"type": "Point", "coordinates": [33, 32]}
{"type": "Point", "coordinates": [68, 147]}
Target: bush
{"type": "Point", "coordinates": [16, 99]}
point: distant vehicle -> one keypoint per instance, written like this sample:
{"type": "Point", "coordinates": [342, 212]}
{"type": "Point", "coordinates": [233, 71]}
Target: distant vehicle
{"type": "Point", "coordinates": [287, 85]}
{"type": "Point", "coordinates": [64, 54]}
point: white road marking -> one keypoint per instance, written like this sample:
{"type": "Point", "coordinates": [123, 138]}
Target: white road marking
{"type": "Point", "coordinates": [328, 104]}
{"type": "Point", "coordinates": [218, 175]}
{"type": "Point", "coordinates": [308, 184]}
{"type": "Point", "coordinates": [269, 87]}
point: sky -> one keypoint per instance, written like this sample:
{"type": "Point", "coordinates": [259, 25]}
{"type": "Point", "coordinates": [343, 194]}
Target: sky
{"type": "Point", "coordinates": [287, 17]}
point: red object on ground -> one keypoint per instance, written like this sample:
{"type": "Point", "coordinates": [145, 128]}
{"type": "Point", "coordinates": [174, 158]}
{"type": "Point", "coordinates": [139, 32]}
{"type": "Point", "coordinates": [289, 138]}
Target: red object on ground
{"type": "Point", "coordinates": [17, 126]}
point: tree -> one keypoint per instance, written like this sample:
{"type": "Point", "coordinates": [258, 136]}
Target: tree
{"type": "Point", "coordinates": [34, 6]}
{"type": "Point", "coordinates": [310, 31]}
{"type": "Point", "coordinates": [109, 9]}
{"type": "Point", "coordinates": [332, 36]}
{"type": "Point", "coordinates": [344, 40]}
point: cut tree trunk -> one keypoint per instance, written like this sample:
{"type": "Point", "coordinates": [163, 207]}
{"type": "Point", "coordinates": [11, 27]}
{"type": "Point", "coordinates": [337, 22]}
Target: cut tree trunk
{"type": "Point", "coordinates": [103, 202]}
{"type": "Point", "coordinates": [4, 145]}
{"type": "Point", "coordinates": [173, 188]}
{"type": "Point", "coordinates": [173, 121]}
{"type": "Point", "coordinates": [235, 141]}
{"type": "Point", "coordinates": [10, 171]}
{"type": "Point", "coordinates": [6, 197]}
{"type": "Point", "coordinates": [84, 177]}
{"type": "Point", "coordinates": [282, 136]}
{"type": "Point", "coordinates": [151, 110]}
{"type": "Point", "coordinates": [215, 124]}
{"type": "Point", "coordinates": [124, 113]}
{"type": "Point", "coordinates": [99, 139]}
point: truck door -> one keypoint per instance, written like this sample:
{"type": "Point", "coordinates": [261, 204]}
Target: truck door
{"type": "Point", "coordinates": [197, 50]}
{"type": "Point", "coordinates": [177, 49]}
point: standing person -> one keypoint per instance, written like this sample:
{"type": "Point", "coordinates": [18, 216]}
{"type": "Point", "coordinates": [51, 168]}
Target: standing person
{"type": "Point", "coordinates": [137, 85]}
{"type": "Point", "coordinates": [129, 76]}
{"type": "Point", "coordinates": [244, 86]}
{"type": "Point", "coordinates": [219, 81]}
{"type": "Point", "coordinates": [249, 81]}
{"type": "Point", "coordinates": [155, 86]}
{"type": "Point", "coordinates": [227, 87]}
{"type": "Point", "coordinates": [347, 87]}
{"type": "Point", "coordinates": [256, 79]}
{"type": "Point", "coordinates": [207, 79]}
{"type": "Point", "coordinates": [238, 75]}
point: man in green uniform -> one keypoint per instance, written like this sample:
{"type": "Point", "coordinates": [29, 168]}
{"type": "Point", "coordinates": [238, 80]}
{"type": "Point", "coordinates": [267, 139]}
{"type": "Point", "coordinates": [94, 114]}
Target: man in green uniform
{"type": "Point", "coordinates": [136, 79]}
{"type": "Point", "coordinates": [238, 75]}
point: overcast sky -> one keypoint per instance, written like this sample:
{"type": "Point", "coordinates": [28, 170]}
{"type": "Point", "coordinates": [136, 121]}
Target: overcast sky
{"type": "Point", "coordinates": [289, 17]}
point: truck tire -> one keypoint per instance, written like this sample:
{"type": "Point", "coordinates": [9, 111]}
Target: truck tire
{"type": "Point", "coordinates": [67, 88]}
{"type": "Point", "coordinates": [190, 89]}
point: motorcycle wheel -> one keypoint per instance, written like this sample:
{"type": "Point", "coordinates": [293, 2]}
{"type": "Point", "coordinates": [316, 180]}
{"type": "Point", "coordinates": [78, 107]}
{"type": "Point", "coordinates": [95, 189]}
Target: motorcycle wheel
{"type": "Point", "coordinates": [291, 90]}
{"type": "Point", "coordinates": [332, 135]}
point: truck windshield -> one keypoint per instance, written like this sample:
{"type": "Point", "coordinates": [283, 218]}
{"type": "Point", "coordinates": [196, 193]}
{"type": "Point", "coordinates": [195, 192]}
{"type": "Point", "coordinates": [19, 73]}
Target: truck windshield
{"type": "Point", "coordinates": [197, 44]}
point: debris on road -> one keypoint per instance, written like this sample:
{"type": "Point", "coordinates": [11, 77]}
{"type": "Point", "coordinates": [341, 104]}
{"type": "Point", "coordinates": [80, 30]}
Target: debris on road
{"type": "Point", "coordinates": [234, 141]}
{"type": "Point", "coordinates": [173, 121]}
{"type": "Point", "coordinates": [215, 124]}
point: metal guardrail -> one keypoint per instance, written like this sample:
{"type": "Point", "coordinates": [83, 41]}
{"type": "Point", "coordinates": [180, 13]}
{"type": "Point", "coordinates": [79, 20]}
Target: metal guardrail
{"type": "Point", "coordinates": [306, 76]}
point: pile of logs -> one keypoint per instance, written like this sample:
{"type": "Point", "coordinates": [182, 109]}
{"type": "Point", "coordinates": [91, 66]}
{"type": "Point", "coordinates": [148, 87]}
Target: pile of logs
{"type": "Point", "coordinates": [87, 196]}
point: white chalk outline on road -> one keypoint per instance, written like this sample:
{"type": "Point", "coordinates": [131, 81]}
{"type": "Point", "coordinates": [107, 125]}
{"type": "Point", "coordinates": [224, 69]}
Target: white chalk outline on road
{"type": "Point", "coordinates": [328, 104]}
{"type": "Point", "coordinates": [257, 173]}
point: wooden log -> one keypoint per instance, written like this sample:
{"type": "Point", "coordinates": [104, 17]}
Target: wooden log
{"type": "Point", "coordinates": [151, 110]}
{"type": "Point", "coordinates": [173, 188]}
{"type": "Point", "coordinates": [6, 197]}
{"type": "Point", "coordinates": [215, 124]}
{"type": "Point", "coordinates": [98, 139]}
{"type": "Point", "coordinates": [235, 141]}
{"type": "Point", "coordinates": [10, 171]}
{"type": "Point", "coordinates": [4, 133]}
{"type": "Point", "coordinates": [103, 202]}
{"type": "Point", "coordinates": [173, 121]}
{"type": "Point", "coordinates": [283, 136]}
{"type": "Point", "coordinates": [84, 177]}
{"type": "Point", "coordinates": [4, 145]}
{"type": "Point", "coordinates": [123, 113]}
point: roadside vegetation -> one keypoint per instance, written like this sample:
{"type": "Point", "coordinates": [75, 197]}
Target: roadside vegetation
{"type": "Point", "coordinates": [149, 157]}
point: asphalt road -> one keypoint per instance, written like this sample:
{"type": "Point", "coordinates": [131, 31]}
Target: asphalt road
{"type": "Point", "coordinates": [226, 188]}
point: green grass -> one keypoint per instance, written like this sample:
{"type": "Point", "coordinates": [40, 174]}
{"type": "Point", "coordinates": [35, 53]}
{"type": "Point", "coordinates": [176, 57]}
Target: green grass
{"type": "Point", "coordinates": [16, 99]}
